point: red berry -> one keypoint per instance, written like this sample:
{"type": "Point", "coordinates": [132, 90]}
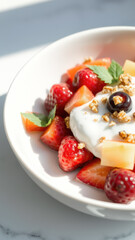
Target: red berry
{"type": "Point", "coordinates": [88, 78]}
{"type": "Point", "coordinates": [70, 156]}
{"type": "Point", "coordinates": [94, 174]}
{"type": "Point", "coordinates": [120, 186]}
{"type": "Point", "coordinates": [54, 133]}
{"type": "Point", "coordinates": [68, 80]}
{"type": "Point", "coordinates": [59, 95]}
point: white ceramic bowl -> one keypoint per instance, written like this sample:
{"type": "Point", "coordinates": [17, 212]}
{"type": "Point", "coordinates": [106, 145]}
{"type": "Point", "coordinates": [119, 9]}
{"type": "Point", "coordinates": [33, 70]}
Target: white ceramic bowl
{"type": "Point", "coordinates": [27, 93]}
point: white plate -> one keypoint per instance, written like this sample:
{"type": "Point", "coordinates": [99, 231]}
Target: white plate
{"type": "Point", "coordinates": [27, 93]}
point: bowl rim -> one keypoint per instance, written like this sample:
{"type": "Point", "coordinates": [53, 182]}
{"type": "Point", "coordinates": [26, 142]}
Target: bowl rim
{"type": "Point", "coordinates": [18, 154]}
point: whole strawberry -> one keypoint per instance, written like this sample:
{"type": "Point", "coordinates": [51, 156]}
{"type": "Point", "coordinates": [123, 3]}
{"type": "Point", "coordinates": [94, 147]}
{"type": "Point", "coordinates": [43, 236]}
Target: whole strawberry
{"type": "Point", "coordinates": [72, 155]}
{"type": "Point", "coordinates": [120, 186]}
{"type": "Point", "coordinates": [59, 95]}
{"type": "Point", "coordinates": [88, 78]}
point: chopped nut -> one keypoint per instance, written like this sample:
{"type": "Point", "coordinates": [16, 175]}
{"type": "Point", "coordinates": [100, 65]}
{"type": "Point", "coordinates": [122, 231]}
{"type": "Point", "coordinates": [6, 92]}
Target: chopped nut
{"type": "Point", "coordinates": [94, 106]}
{"type": "Point", "coordinates": [130, 90]}
{"type": "Point", "coordinates": [112, 123]}
{"type": "Point", "coordinates": [102, 139]}
{"type": "Point", "coordinates": [115, 89]}
{"type": "Point", "coordinates": [134, 115]}
{"type": "Point", "coordinates": [120, 85]}
{"type": "Point", "coordinates": [95, 119]}
{"type": "Point", "coordinates": [109, 89]}
{"type": "Point", "coordinates": [115, 114]}
{"type": "Point", "coordinates": [105, 118]}
{"type": "Point", "coordinates": [128, 137]}
{"type": "Point", "coordinates": [104, 100]}
{"type": "Point", "coordinates": [117, 99]}
{"type": "Point", "coordinates": [125, 79]}
{"type": "Point", "coordinates": [123, 134]}
{"type": "Point", "coordinates": [94, 109]}
{"type": "Point", "coordinates": [67, 122]}
{"type": "Point", "coordinates": [81, 145]}
{"type": "Point", "coordinates": [121, 116]}
{"type": "Point", "coordinates": [131, 138]}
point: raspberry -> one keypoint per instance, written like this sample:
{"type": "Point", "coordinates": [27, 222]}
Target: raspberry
{"type": "Point", "coordinates": [88, 78]}
{"type": "Point", "coordinates": [59, 95]}
{"type": "Point", "coordinates": [70, 156]}
{"type": "Point", "coordinates": [120, 186]}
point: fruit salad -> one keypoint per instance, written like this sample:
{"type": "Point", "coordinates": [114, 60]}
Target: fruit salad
{"type": "Point", "coordinates": [90, 121]}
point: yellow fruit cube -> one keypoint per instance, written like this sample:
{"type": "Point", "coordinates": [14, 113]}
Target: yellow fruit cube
{"type": "Point", "coordinates": [118, 154]}
{"type": "Point", "coordinates": [129, 67]}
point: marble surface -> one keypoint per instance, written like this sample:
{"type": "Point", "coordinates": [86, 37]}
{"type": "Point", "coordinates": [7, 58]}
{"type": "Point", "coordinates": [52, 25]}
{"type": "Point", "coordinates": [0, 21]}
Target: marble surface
{"type": "Point", "coordinates": [26, 212]}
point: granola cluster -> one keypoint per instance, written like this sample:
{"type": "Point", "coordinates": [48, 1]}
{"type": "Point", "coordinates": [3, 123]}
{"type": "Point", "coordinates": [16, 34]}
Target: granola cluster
{"type": "Point", "coordinates": [117, 99]}
{"type": "Point", "coordinates": [104, 100]}
{"type": "Point", "coordinates": [101, 139]}
{"type": "Point", "coordinates": [130, 90]}
{"type": "Point", "coordinates": [109, 89]}
{"type": "Point", "coordinates": [125, 79]}
{"type": "Point", "coordinates": [128, 137]}
{"type": "Point", "coordinates": [94, 105]}
{"type": "Point", "coordinates": [125, 83]}
{"type": "Point", "coordinates": [105, 117]}
{"type": "Point", "coordinates": [81, 145]}
{"type": "Point", "coordinates": [121, 116]}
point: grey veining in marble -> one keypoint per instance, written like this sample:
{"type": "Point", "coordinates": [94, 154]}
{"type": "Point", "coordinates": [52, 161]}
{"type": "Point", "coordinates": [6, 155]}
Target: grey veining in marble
{"type": "Point", "coordinates": [26, 212]}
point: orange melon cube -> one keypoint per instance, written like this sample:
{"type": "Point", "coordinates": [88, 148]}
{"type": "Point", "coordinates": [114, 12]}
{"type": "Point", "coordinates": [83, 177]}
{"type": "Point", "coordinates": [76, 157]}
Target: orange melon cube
{"type": "Point", "coordinates": [30, 126]}
{"type": "Point", "coordinates": [72, 71]}
{"type": "Point", "coordinates": [81, 96]}
{"type": "Point", "coordinates": [105, 62]}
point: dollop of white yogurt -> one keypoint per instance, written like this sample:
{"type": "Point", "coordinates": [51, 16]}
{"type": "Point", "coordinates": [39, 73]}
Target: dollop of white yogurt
{"type": "Point", "coordinates": [87, 130]}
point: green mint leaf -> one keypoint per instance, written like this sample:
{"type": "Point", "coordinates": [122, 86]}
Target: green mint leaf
{"type": "Point", "coordinates": [115, 70]}
{"type": "Point", "coordinates": [52, 113]}
{"type": "Point", "coordinates": [102, 73]}
{"type": "Point", "coordinates": [41, 120]}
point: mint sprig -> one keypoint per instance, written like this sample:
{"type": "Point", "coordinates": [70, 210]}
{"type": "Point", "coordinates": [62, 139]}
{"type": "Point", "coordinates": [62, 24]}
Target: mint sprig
{"type": "Point", "coordinates": [40, 120]}
{"type": "Point", "coordinates": [110, 75]}
{"type": "Point", "coordinates": [115, 70]}
{"type": "Point", "coordinates": [102, 73]}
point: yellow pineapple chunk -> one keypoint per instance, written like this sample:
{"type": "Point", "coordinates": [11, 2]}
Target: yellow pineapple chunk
{"type": "Point", "coordinates": [118, 154]}
{"type": "Point", "coordinates": [129, 67]}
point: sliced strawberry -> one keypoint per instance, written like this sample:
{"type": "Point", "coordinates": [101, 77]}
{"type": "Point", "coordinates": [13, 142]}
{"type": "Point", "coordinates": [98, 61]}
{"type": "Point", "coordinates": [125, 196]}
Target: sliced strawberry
{"type": "Point", "coordinates": [81, 96]}
{"type": "Point", "coordinates": [71, 156]}
{"type": "Point", "coordinates": [30, 126]}
{"type": "Point", "coordinates": [54, 133]}
{"type": "Point", "coordinates": [59, 95]}
{"type": "Point", "coordinates": [94, 174]}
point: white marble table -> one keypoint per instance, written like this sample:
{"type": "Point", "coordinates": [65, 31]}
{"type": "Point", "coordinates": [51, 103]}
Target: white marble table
{"type": "Point", "coordinates": [26, 212]}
